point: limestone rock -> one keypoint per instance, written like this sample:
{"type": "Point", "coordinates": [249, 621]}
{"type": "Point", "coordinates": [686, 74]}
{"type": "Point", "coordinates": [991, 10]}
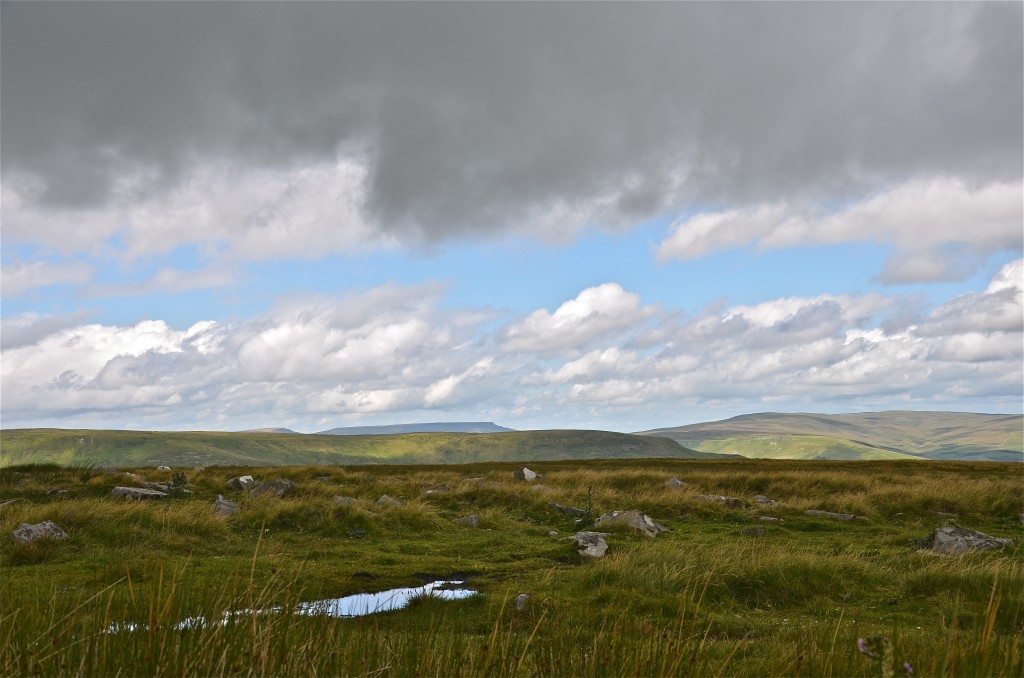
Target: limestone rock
{"type": "Point", "coordinates": [386, 500]}
{"type": "Point", "coordinates": [528, 475]}
{"type": "Point", "coordinates": [9, 502]}
{"type": "Point", "coordinates": [225, 507]}
{"type": "Point", "coordinates": [569, 510]}
{"type": "Point", "coordinates": [591, 544]}
{"type": "Point", "coordinates": [553, 533]}
{"type": "Point", "coordinates": [199, 469]}
{"type": "Point", "coordinates": [53, 492]}
{"type": "Point", "coordinates": [957, 540]}
{"type": "Point", "coordinates": [341, 500]}
{"type": "Point", "coordinates": [633, 520]}
{"type": "Point", "coordinates": [770, 519]}
{"type": "Point", "coordinates": [732, 502]}
{"type": "Point", "coordinates": [676, 483]}
{"type": "Point", "coordinates": [276, 488]}
{"type": "Point", "coordinates": [521, 601]}
{"type": "Point", "coordinates": [829, 514]}
{"type": "Point", "coordinates": [469, 521]}
{"type": "Point", "coordinates": [243, 483]}
{"type": "Point", "coordinates": [163, 468]}
{"type": "Point", "coordinates": [763, 500]}
{"type": "Point", "coordinates": [137, 493]}
{"type": "Point", "coordinates": [29, 533]}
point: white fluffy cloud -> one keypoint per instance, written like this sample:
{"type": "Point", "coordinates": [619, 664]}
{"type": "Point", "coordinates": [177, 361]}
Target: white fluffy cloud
{"type": "Point", "coordinates": [941, 229]}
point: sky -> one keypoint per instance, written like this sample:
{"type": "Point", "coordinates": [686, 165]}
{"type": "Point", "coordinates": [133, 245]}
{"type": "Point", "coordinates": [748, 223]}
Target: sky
{"type": "Point", "coordinates": [621, 216]}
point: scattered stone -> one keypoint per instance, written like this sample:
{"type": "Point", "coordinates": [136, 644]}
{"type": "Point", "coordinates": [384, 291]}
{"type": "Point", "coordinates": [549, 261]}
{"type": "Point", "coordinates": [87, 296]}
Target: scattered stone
{"type": "Point", "coordinates": [277, 488]}
{"type": "Point", "coordinates": [199, 469]}
{"type": "Point", "coordinates": [591, 544]}
{"type": "Point", "coordinates": [1022, 517]}
{"type": "Point", "coordinates": [758, 531]}
{"type": "Point", "coordinates": [829, 514]}
{"type": "Point", "coordinates": [944, 514]}
{"type": "Point", "coordinates": [8, 502]}
{"type": "Point", "coordinates": [163, 468]}
{"type": "Point", "coordinates": [163, 487]}
{"type": "Point", "coordinates": [322, 479]}
{"type": "Point", "coordinates": [521, 601]}
{"type": "Point", "coordinates": [243, 483]}
{"type": "Point", "coordinates": [385, 500]}
{"type": "Point", "coordinates": [482, 482]}
{"type": "Point", "coordinates": [225, 507]}
{"type": "Point", "coordinates": [763, 500]}
{"type": "Point", "coordinates": [137, 493]}
{"type": "Point", "coordinates": [28, 533]}
{"type": "Point", "coordinates": [569, 510]}
{"type": "Point", "coordinates": [52, 492]}
{"type": "Point", "coordinates": [770, 519]}
{"type": "Point", "coordinates": [528, 475]}
{"type": "Point", "coordinates": [722, 499]}
{"type": "Point", "coordinates": [468, 521]}
{"type": "Point", "coordinates": [957, 540]}
{"type": "Point", "coordinates": [133, 476]}
{"type": "Point", "coordinates": [676, 483]}
{"type": "Point", "coordinates": [634, 520]}
{"type": "Point", "coordinates": [341, 500]}
{"type": "Point", "coordinates": [553, 533]}
{"type": "Point", "coordinates": [440, 488]}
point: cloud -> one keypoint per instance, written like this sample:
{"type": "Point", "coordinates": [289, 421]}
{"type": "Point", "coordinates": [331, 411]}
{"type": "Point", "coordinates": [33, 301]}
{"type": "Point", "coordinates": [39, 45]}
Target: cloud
{"type": "Point", "coordinates": [293, 129]}
{"type": "Point", "coordinates": [941, 229]}
{"type": "Point", "coordinates": [19, 276]}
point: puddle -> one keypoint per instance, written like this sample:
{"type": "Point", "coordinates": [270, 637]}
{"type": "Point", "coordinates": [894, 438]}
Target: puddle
{"type": "Point", "coordinates": [356, 605]}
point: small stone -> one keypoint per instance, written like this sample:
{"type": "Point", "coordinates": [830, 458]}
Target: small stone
{"type": "Point", "coordinates": [276, 488]}
{"type": "Point", "coordinates": [385, 500]}
{"type": "Point", "coordinates": [722, 499]}
{"type": "Point", "coordinates": [591, 544]}
{"type": "Point", "coordinates": [163, 468]}
{"type": "Point", "coordinates": [468, 521]}
{"type": "Point", "coordinates": [569, 510]}
{"type": "Point", "coordinates": [829, 514]}
{"type": "Point", "coordinates": [676, 483]}
{"type": "Point", "coordinates": [440, 488]}
{"type": "Point", "coordinates": [957, 540]}
{"type": "Point", "coordinates": [634, 520]}
{"type": "Point", "coordinates": [758, 531]}
{"type": "Point", "coordinates": [137, 493]}
{"type": "Point", "coordinates": [8, 502]}
{"type": "Point", "coordinates": [243, 483]}
{"type": "Point", "coordinates": [763, 500]}
{"type": "Point", "coordinates": [770, 519]}
{"type": "Point", "coordinates": [553, 533]}
{"type": "Point", "coordinates": [198, 469]}
{"type": "Point", "coordinates": [322, 479]}
{"type": "Point", "coordinates": [28, 533]}
{"type": "Point", "coordinates": [225, 507]}
{"type": "Point", "coordinates": [521, 601]}
{"type": "Point", "coordinates": [52, 492]}
{"type": "Point", "coordinates": [341, 500]}
{"type": "Point", "coordinates": [526, 474]}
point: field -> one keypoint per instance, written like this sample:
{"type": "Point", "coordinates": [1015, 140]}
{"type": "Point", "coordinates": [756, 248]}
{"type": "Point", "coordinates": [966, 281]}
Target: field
{"type": "Point", "coordinates": [703, 598]}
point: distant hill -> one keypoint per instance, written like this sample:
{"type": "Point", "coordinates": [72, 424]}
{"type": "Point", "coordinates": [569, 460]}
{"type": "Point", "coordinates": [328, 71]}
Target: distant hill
{"type": "Point", "coordinates": [868, 435]}
{"type": "Point", "coordinates": [429, 427]}
{"type": "Point", "coordinates": [196, 448]}
{"type": "Point", "coordinates": [271, 430]}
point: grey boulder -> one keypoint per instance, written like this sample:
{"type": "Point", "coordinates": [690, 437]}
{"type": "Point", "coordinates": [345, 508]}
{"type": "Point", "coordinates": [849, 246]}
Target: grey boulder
{"type": "Point", "coordinates": [342, 500]}
{"type": "Point", "coordinates": [763, 500]}
{"type": "Point", "coordinates": [137, 493]}
{"type": "Point", "coordinates": [829, 514]}
{"type": "Point", "coordinates": [163, 468]}
{"type": "Point", "coordinates": [632, 520]}
{"type": "Point", "coordinates": [386, 500]}
{"type": "Point", "coordinates": [590, 544]}
{"type": "Point", "coordinates": [471, 520]}
{"type": "Point", "coordinates": [957, 540]}
{"type": "Point", "coordinates": [275, 488]}
{"type": "Point", "coordinates": [225, 507]}
{"type": "Point", "coordinates": [29, 533]}
{"type": "Point", "coordinates": [676, 483]}
{"type": "Point", "coordinates": [528, 475]}
{"type": "Point", "coordinates": [569, 510]}
{"type": "Point", "coordinates": [243, 483]}
{"type": "Point", "coordinates": [521, 601]}
{"type": "Point", "coordinates": [732, 502]}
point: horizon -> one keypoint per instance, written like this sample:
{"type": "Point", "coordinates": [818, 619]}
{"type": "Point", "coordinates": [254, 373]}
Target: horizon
{"type": "Point", "coordinates": [621, 217]}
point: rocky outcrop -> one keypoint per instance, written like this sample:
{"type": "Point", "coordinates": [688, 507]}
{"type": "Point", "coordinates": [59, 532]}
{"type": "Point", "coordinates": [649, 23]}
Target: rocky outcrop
{"type": "Point", "coordinates": [590, 544]}
{"type": "Point", "coordinates": [829, 514]}
{"type": "Point", "coordinates": [957, 540]}
{"type": "Point", "coordinates": [29, 533]}
{"type": "Point", "coordinates": [631, 520]}
{"type": "Point", "coordinates": [569, 510]}
{"type": "Point", "coordinates": [137, 493]}
{"type": "Point", "coordinates": [526, 474]}
{"type": "Point", "coordinates": [471, 520]}
{"type": "Point", "coordinates": [243, 483]}
{"type": "Point", "coordinates": [225, 507]}
{"type": "Point", "coordinates": [763, 500]}
{"type": "Point", "coordinates": [275, 488]}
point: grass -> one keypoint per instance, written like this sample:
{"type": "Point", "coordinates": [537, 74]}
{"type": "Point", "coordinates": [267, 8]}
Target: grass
{"type": "Point", "coordinates": [700, 599]}
{"type": "Point", "coordinates": [206, 448]}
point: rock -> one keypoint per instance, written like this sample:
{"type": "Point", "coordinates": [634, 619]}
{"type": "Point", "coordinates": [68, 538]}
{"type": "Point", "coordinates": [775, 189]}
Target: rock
{"type": "Point", "coordinates": [440, 488]}
{"type": "Point", "coordinates": [276, 488]}
{"type": "Point", "coordinates": [829, 514]}
{"type": "Point", "coordinates": [28, 533]}
{"type": "Point", "coordinates": [163, 487]}
{"type": "Point", "coordinates": [569, 510]}
{"type": "Point", "coordinates": [763, 500]}
{"type": "Point", "coordinates": [521, 601]}
{"type": "Point", "coordinates": [243, 483]}
{"type": "Point", "coordinates": [322, 479]}
{"type": "Point", "coordinates": [553, 533]}
{"type": "Point", "coordinates": [163, 468]}
{"type": "Point", "coordinates": [8, 502]}
{"type": "Point", "coordinates": [633, 520]}
{"type": "Point", "coordinates": [591, 544]}
{"type": "Point", "coordinates": [137, 493]}
{"type": "Point", "coordinates": [528, 475]}
{"type": "Point", "coordinates": [133, 476]}
{"type": "Point", "coordinates": [468, 521]}
{"type": "Point", "coordinates": [722, 499]}
{"type": "Point", "coordinates": [345, 501]}
{"type": "Point", "coordinates": [754, 531]}
{"type": "Point", "coordinates": [225, 507]}
{"type": "Point", "coordinates": [198, 469]}
{"type": "Point", "coordinates": [385, 500]}
{"type": "Point", "coordinates": [52, 492]}
{"type": "Point", "coordinates": [957, 540]}
{"type": "Point", "coordinates": [676, 483]}
{"type": "Point", "coordinates": [1022, 517]}
{"type": "Point", "coordinates": [770, 519]}
{"type": "Point", "coordinates": [482, 482]}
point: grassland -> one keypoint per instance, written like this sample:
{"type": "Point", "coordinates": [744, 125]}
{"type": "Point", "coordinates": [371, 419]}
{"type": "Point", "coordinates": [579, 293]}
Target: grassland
{"type": "Point", "coordinates": [868, 435]}
{"type": "Point", "coordinates": [703, 598]}
{"type": "Point", "coordinates": [204, 448]}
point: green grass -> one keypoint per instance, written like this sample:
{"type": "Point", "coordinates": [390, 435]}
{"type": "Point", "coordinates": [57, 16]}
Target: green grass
{"type": "Point", "coordinates": [204, 448]}
{"type": "Point", "coordinates": [700, 599]}
{"type": "Point", "coordinates": [869, 435]}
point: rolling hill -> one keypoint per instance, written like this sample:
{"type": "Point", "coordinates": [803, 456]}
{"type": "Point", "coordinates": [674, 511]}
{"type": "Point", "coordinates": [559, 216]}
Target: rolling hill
{"type": "Point", "coordinates": [428, 427]}
{"type": "Point", "coordinates": [197, 448]}
{"type": "Point", "coordinates": [868, 435]}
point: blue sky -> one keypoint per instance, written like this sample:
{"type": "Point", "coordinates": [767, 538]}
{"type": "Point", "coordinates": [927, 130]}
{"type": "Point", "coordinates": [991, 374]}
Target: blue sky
{"type": "Point", "coordinates": [412, 216]}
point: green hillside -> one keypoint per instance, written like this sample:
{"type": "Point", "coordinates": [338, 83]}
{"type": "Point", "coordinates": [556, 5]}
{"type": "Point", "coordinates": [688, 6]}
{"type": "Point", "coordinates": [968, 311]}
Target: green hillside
{"type": "Point", "coordinates": [201, 448]}
{"type": "Point", "coordinates": [868, 435]}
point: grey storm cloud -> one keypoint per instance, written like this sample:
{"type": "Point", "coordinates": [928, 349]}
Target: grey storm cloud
{"type": "Point", "coordinates": [472, 117]}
